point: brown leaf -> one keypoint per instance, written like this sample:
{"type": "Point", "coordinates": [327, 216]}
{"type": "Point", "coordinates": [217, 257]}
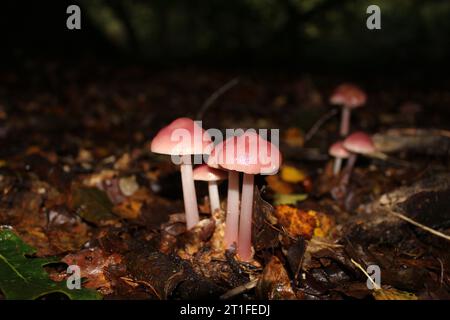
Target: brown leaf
{"type": "Point", "coordinates": [274, 283]}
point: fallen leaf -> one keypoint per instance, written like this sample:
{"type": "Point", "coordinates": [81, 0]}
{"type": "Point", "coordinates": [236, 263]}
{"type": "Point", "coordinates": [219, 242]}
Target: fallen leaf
{"type": "Point", "coordinates": [292, 174]}
{"type": "Point", "coordinates": [278, 185]}
{"type": "Point", "coordinates": [295, 221]}
{"type": "Point", "coordinates": [393, 294]}
{"type": "Point", "coordinates": [23, 278]}
{"type": "Point", "coordinates": [274, 283]}
{"type": "Point", "coordinates": [294, 137]}
{"type": "Point", "coordinates": [92, 204]}
{"type": "Point", "coordinates": [93, 263]}
{"type": "Point", "coordinates": [292, 199]}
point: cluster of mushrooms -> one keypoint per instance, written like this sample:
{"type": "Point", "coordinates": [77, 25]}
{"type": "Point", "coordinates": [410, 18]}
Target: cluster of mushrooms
{"type": "Point", "coordinates": [226, 160]}
{"type": "Point", "coordinates": [243, 153]}
{"type": "Point", "coordinates": [349, 97]}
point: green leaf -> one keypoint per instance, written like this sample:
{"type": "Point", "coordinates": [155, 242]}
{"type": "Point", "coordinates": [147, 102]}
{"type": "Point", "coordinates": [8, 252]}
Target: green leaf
{"type": "Point", "coordinates": [93, 205]}
{"type": "Point", "coordinates": [23, 277]}
{"type": "Point", "coordinates": [280, 198]}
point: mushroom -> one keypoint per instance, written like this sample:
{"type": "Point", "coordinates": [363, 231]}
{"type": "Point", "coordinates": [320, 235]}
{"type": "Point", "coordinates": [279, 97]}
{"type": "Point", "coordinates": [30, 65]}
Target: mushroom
{"type": "Point", "coordinates": [217, 157]}
{"type": "Point", "coordinates": [338, 151]}
{"type": "Point", "coordinates": [252, 155]}
{"type": "Point", "coordinates": [206, 173]}
{"type": "Point", "coordinates": [181, 139]}
{"type": "Point", "coordinates": [357, 143]}
{"type": "Point", "coordinates": [349, 96]}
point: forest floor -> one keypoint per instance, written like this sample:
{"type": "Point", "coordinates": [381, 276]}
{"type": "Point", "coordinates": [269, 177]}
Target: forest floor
{"type": "Point", "coordinates": [78, 182]}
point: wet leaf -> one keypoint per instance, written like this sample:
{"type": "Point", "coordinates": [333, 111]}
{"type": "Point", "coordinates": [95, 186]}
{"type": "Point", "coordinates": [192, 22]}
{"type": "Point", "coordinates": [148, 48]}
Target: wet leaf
{"type": "Point", "coordinates": [159, 273]}
{"type": "Point", "coordinates": [264, 233]}
{"type": "Point", "coordinates": [274, 283]}
{"type": "Point", "coordinates": [22, 277]}
{"type": "Point", "coordinates": [92, 204]}
{"type": "Point", "coordinates": [93, 263]}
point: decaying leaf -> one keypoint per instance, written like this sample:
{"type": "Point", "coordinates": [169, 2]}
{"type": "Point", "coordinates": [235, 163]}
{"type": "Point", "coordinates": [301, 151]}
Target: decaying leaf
{"type": "Point", "coordinates": [274, 283]}
{"type": "Point", "coordinates": [23, 277]}
{"type": "Point", "coordinates": [265, 235]}
{"type": "Point", "coordinates": [393, 294]}
{"type": "Point", "coordinates": [296, 222]}
{"type": "Point", "coordinates": [92, 204]}
{"type": "Point", "coordinates": [93, 263]}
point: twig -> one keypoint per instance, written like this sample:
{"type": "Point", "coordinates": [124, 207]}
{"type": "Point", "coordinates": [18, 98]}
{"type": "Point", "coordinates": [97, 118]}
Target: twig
{"type": "Point", "coordinates": [216, 94]}
{"type": "Point", "coordinates": [375, 285]}
{"type": "Point", "coordinates": [442, 271]}
{"type": "Point", "coordinates": [417, 224]}
{"type": "Point", "coordinates": [327, 116]}
{"type": "Point", "coordinates": [384, 157]}
{"type": "Point", "coordinates": [238, 290]}
{"type": "Point", "coordinates": [148, 284]}
{"type": "Point", "coordinates": [325, 244]}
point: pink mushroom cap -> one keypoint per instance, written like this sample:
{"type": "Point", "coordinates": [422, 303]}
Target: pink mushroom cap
{"type": "Point", "coordinates": [337, 150]}
{"type": "Point", "coordinates": [359, 142]}
{"type": "Point", "coordinates": [248, 153]}
{"type": "Point", "coordinates": [181, 137]}
{"type": "Point", "coordinates": [206, 173]}
{"type": "Point", "coordinates": [349, 96]}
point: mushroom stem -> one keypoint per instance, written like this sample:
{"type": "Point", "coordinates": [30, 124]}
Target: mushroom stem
{"type": "Point", "coordinates": [189, 196]}
{"type": "Point", "coordinates": [337, 166]}
{"type": "Point", "coordinates": [232, 220]}
{"type": "Point", "coordinates": [348, 170]}
{"type": "Point", "coordinates": [245, 224]}
{"type": "Point", "coordinates": [214, 199]}
{"type": "Point", "coordinates": [345, 121]}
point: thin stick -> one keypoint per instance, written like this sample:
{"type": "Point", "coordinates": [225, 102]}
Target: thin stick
{"type": "Point", "coordinates": [238, 290]}
{"type": "Point", "coordinates": [442, 271]}
{"type": "Point", "coordinates": [375, 285]}
{"type": "Point", "coordinates": [216, 94]}
{"type": "Point", "coordinates": [417, 224]}
{"type": "Point", "coordinates": [327, 116]}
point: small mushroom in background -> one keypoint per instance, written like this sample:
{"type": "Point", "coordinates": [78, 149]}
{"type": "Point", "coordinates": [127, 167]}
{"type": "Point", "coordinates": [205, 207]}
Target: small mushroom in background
{"type": "Point", "coordinates": [350, 97]}
{"type": "Point", "coordinates": [183, 137]}
{"type": "Point", "coordinates": [253, 155]}
{"type": "Point", "coordinates": [217, 158]}
{"type": "Point", "coordinates": [339, 153]}
{"type": "Point", "coordinates": [213, 176]}
{"type": "Point", "coordinates": [356, 143]}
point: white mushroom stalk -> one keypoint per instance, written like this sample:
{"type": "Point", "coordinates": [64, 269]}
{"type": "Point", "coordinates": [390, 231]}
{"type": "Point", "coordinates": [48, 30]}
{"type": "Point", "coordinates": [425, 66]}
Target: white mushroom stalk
{"type": "Point", "coordinates": [339, 153]}
{"type": "Point", "coordinates": [212, 176]}
{"type": "Point", "coordinates": [189, 195]}
{"type": "Point", "coordinates": [245, 223]}
{"type": "Point", "coordinates": [232, 220]}
{"type": "Point", "coordinates": [181, 139]}
{"type": "Point", "coordinates": [213, 192]}
{"type": "Point", "coordinates": [253, 155]}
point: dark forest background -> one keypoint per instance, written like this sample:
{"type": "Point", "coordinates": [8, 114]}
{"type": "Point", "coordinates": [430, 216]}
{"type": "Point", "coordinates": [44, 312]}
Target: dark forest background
{"type": "Point", "coordinates": [310, 35]}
